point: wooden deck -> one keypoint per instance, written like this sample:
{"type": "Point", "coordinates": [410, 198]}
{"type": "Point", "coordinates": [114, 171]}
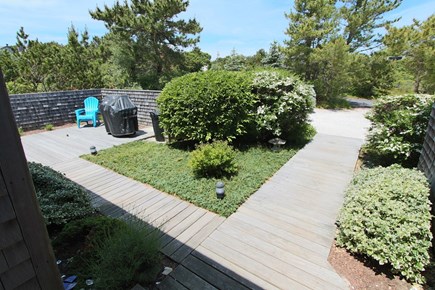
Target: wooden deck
{"type": "Point", "coordinates": [279, 239]}
{"type": "Point", "coordinates": [181, 225]}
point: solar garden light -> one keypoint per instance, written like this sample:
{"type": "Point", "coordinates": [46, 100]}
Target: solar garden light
{"type": "Point", "coordinates": [277, 143]}
{"type": "Point", "coordinates": [220, 190]}
{"type": "Point", "coordinates": [93, 150]}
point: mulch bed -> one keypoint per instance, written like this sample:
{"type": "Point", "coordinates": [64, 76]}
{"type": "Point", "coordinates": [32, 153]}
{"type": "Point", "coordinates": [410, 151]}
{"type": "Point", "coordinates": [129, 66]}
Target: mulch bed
{"type": "Point", "coordinates": [365, 273]}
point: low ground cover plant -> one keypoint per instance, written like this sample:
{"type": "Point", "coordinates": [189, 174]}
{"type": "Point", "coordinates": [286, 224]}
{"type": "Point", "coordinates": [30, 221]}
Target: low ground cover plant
{"type": "Point", "coordinates": [166, 168]}
{"type": "Point", "coordinates": [398, 129]}
{"type": "Point", "coordinates": [213, 160]}
{"type": "Point", "coordinates": [60, 199]}
{"type": "Point", "coordinates": [386, 216]}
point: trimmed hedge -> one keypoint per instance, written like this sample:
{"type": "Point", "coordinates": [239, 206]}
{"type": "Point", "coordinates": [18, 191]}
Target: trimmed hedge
{"type": "Point", "coordinates": [386, 216]}
{"type": "Point", "coordinates": [223, 105]}
{"type": "Point", "coordinates": [60, 199]}
{"type": "Point", "coordinates": [205, 106]}
{"type": "Point", "coordinates": [398, 129]}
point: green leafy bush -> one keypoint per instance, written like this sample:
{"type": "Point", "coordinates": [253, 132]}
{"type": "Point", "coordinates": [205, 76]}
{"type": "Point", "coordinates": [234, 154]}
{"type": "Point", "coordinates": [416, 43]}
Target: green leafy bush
{"type": "Point", "coordinates": [398, 129]}
{"type": "Point", "coordinates": [284, 103]}
{"type": "Point", "coordinates": [115, 253]}
{"type": "Point", "coordinates": [204, 106]}
{"type": "Point", "coordinates": [213, 160]}
{"type": "Point", "coordinates": [84, 232]}
{"type": "Point", "coordinates": [222, 105]}
{"type": "Point", "coordinates": [60, 199]}
{"type": "Point", "coordinates": [49, 127]}
{"type": "Point", "coordinates": [128, 256]}
{"type": "Point", "coordinates": [80, 238]}
{"type": "Point", "coordinates": [386, 215]}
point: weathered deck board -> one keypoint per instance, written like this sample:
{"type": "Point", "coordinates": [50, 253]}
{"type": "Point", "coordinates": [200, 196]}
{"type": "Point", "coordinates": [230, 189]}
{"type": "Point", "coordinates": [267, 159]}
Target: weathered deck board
{"type": "Point", "coordinates": [211, 274]}
{"type": "Point", "coordinates": [190, 280]}
{"type": "Point", "coordinates": [170, 283]}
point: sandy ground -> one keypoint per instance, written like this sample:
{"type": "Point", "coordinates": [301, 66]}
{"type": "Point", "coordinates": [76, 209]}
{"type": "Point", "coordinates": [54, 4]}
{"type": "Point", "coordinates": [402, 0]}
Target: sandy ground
{"type": "Point", "coordinates": [345, 123]}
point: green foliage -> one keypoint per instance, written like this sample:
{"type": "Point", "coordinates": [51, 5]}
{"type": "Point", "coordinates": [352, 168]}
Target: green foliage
{"type": "Point", "coordinates": [324, 35]}
{"type": "Point", "coordinates": [84, 232]}
{"type": "Point", "coordinates": [128, 256]}
{"type": "Point", "coordinates": [283, 103]}
{"type": "Point", "coordinates": [274, 58]}
{"type": "Point", "coordinates": [222, 105]}
{"type": "Point", "coordinates": [36, 66]}
{"type": "Point", "coordinates": [116, 254]}
{"type": "Point", "coordinates": [152, 37]}
{"type": "Point", "coordinates": [398, 129]}
{"type": "Point", "coordinates": [362, 18]}
{"type": "Point", "coordinates": [372, 75]}
{"type": "Point", "coordinates": [79, 240]}
{"type": "Point", "coordinates": [233, 62]}
{"type": "Point", "coordinates": [312, 24]}
{"type": "Point", "coordinates": [166, 168]}
{"type": "Point", "coordinates": [21, 131]}
{"type": "Point", "coordinates": [8, 65]}
{"type": "Point", "coordinates": [213, 160]}
{"type": "Point", "coordinates": [60, 199]}
{"type": "Point", "coordinates": [212, 105]}
{"type": "Point", "coordinates": [331, 62]}
{"type": "Point", "coordinates": [386, 215]}
{"type": "Point", "coordinates": [49, 127]}
{"type": "Point", "coordinates": [195, 61]}
{"type": "Point", "coordinates": [417, 45]}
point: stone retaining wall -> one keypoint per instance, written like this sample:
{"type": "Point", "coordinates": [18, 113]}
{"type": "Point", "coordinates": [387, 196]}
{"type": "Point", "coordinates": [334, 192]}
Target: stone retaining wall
{"type": "Point", "coordinates": [35, 110]}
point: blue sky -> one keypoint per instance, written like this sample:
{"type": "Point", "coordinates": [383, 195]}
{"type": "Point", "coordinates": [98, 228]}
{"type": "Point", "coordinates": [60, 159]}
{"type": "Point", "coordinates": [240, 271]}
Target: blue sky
{"type": "Point", "coordinates": [243, 25]}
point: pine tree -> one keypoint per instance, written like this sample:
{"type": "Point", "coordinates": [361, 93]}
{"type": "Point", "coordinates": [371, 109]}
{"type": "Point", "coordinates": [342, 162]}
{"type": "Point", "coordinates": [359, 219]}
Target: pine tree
{"type": "Point", "coordinates": [362, 17]}
{"type": "Point", "coordinates": [312, 24]}
{"type": "Point", "coordinates": [152, 34]}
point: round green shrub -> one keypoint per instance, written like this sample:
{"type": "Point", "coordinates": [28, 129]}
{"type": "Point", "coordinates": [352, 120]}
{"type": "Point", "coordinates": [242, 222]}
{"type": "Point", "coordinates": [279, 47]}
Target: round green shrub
{"type": "Point", "coordinates": [386, 216]}
{"type": "Point", "coordinates": [204, 106]}
{"type": "Point", "coordinates": [398, 129]}
{"type": "Point", "coordinates": [213, 160]}
{"type": "Point", "coordinates": [60, 199]}
{"type": "Point", "coordinates": [283, 104]}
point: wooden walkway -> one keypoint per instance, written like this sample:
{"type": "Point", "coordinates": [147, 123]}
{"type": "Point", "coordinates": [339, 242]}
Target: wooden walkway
{"type": "Point", "coordinates": [182, 226]}
{"type": "Point", "coordinates": [279, 239]}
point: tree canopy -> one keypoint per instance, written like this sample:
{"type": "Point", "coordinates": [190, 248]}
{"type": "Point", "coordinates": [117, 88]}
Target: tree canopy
{"type": "Point", "coordinates": [152, 35]}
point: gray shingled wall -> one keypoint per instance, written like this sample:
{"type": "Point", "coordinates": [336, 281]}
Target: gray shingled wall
{"type": "Point", "coordinates": [34, 111]}
{"type": "Point", "coordinates": [427, 157]}
{"type": "Point", "coordinates": [144, 100]}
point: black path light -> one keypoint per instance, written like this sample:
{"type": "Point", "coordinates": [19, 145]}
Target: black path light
{"type": "Point", "coordinates": [93, 150]}
{"type": "Point", "coordinates": [220, 189]}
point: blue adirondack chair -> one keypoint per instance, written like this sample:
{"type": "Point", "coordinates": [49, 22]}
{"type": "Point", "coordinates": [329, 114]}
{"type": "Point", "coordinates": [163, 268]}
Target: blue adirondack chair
{"type": "Point", "coordinates": [89, 112]}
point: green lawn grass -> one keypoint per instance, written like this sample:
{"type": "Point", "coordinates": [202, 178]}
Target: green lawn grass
{"type": "Point", "coordinates": [166, 169]}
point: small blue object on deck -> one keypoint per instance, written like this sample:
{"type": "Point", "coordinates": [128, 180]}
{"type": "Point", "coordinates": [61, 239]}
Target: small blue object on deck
{"type": "Point", "coordinates": [89, 112]}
